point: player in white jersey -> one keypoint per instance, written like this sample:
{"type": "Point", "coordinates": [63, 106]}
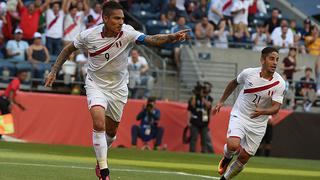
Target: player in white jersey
{"type": "Point", "coordinates": [261, 96]}
{"type": "Point", "coordinates": [108, 46]}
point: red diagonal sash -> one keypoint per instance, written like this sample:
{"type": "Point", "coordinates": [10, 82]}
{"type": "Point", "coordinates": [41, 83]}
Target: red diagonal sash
{"type": "Point", "coordinates": [53, 22]}
{"type": "Point", "coordinates": [261, 88]}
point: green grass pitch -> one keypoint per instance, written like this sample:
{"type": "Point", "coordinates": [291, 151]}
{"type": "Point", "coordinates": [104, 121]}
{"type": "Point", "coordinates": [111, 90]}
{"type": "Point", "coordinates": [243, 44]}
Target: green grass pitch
{"type": "Point", "coordinates": [57, 162]}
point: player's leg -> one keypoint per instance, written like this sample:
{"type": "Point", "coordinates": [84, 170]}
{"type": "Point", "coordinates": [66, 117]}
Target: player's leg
{"type": "Point", "coordinates": [99, 139]}
{"type": "Point", "coordinates": [111, 130]}
{"type": "Point", "coordinates": [235, 134]}
{"type": "Point", "coordinates": [229, 150]}
{"type": "Point", "coordinates": [237, 166]}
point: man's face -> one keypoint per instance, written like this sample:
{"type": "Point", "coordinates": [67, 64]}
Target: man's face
{"type": "Point", "coordinates": [97, 8]}
{"type": "Point", "coordinates": [205, 21]}
{"type": "Point", "coordinates": [134, 54]}
{"type": "Point", "coordinates": [56, 8]}
{"type": "Point", "coordinates": [181, 21]}
{"type": "Point", "coordinates": [18, 36]}
{"type": "Point", "coordinates": [115, 21]}
{"type": "Point", "coordinates": [315, 31]}
{"type": "Point", "coordinates": [23, 76]}
{"type": "Point", "coordinates": [275, 14]}
{"type": "Point", "coordinates": [73, 12]}
{"type": "Point", "coordinates": [308, 73]}
{"type": "Point", "coordinates": [203, 3]}
{"type": "Point", "coordinates": [31, 8]}
{"type": "Point", "coordinates": [270, 62]}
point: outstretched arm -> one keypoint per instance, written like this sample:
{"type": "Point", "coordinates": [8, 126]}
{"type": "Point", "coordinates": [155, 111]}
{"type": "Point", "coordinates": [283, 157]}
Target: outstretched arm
{"type": "Point", "coordinates": [227, 92]}
{"type": "Point", "coordinates": [65, 53]}
{"type": "Point", "coordinates": [159, 39]}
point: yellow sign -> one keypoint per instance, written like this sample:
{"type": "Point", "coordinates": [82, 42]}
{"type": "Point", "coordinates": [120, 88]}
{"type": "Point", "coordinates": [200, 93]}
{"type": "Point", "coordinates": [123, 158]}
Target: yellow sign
{"type": "Point", "coordinates": [6, 124]}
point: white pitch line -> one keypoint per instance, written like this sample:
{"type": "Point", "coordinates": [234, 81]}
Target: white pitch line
{"type": "Point", "coordinates": [123, 170]}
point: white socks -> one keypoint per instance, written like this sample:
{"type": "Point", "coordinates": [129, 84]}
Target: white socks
{"type": "Point", "coordinates": [110, 140]}
{"type": "Point", "coordinates": [235, 168]}
{"type": "Point", "coordinates": [228, 154]}
{"type": "Point", "coordinates": [101, 148]}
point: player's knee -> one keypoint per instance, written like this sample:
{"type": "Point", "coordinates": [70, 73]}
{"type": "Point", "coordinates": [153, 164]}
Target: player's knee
{"type": "Point", "coordinates": [233, 146]}
{"type": "Point", "coordinates": [99, 125]}
{"type": "Point", "coordinates": [244, 157]}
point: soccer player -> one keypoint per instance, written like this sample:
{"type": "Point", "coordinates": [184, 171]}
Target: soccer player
{"type": "Point", "coordinates": [261, 96]}
{"type": "Point", "coordinates": [108, 46]}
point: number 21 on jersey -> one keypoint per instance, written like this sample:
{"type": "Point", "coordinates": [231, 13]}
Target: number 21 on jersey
{"type": "Point", "coordinates": [256, 99]}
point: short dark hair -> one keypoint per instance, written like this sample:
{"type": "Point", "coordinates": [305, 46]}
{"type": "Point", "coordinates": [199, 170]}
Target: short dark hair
{"type": "Point", "coordinates": [275, 9]}
{"type": "Point", "coordinates": [267, 50]}
{"type": "Point", "coordinates": [20, 71]}
{"type": "Point", "coordinates": [308, 69]}
{"type": "Point", "coordinates": [110, 6]}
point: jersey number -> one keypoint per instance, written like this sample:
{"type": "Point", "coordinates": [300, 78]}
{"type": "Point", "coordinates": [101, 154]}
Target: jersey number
{"type": "Point", "coordinates": [107, 56]}
{"type": "Point", "coordinates": [256, 99]}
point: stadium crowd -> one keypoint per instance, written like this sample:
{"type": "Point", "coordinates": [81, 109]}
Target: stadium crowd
{"type": "Point", "coordinates": [32, 33]}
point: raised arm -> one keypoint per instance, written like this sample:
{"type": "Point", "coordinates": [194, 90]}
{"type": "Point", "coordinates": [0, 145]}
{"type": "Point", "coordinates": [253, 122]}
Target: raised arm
{"type": "Point", "coordinates": [159, 39]}
{"type": "Point", "coordinates": [227, 92]}
{"type": "Point", "coordinates": [86, 7]}
{"type": "Point", "coordinates": [65, 53]}
{"type": "Point", "coordinates": [44, 6]}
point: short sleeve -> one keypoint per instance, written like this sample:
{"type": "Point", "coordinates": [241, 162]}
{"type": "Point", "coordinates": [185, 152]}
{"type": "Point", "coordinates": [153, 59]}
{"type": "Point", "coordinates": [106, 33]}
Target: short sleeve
{"type": "Point", "coordinates": [15, 85]}
{"type": "Point", "coordinates": [9, 45]}
{"type": "Point", "coordinates": [80, 41]}
{"type": "Point", "coordinates": [134, 34]}
{"type": "Point", "coordinates": [241, 77]}
{"type": "Point", "coordinates": [280, 92]}
{"type": "Point", "coordinates": [143, 61]}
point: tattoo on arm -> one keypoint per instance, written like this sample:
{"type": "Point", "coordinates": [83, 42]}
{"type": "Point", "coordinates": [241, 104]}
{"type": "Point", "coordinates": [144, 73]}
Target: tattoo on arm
{"type": "Point", "coordinates": [158, 39]}
{"type": "Point", "coordinates": [63, 56]}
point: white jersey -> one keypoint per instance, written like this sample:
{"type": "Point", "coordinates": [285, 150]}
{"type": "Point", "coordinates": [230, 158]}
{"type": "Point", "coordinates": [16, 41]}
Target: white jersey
{"type": "Point", "coordinates": [107, 63]}
{"type": "Point", "coordinates": [259, 92]}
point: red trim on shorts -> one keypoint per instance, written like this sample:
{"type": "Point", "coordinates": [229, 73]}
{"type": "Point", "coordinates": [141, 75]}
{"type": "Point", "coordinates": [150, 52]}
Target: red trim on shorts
{"type": "Point", "coordinates": [261, 88]}
{"type": "Point", "coordinates": [97, 105]}
{"type": "Point", "coordinates": [234, 137]}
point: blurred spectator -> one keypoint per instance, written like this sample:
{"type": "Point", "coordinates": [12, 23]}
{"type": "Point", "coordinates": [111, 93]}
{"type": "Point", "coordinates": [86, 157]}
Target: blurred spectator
{"type": "Point", "coordinates": [297, 36]}
{"type": "Point", "coordinates": [289, 64]}
{"type": "Point", "coordinates": [282, 37]}
{"type": "Point", "coordinates": [306, 89]}
{"type": "Point", "coordinates": [37, 52]}
{"type": "Point", "coordinates": [257, 5]}
{"type": "Point", "coordinates": [169, 13]}
{"type": "Point", "coordinates": [199, 109]}
{"type": "Point", "coordinates": [306, 31]}
{"type": "Point", "coordinates": [313, 41]}
{"type": "Point", "coordinates": [204, 32]}
{"type": "Point", "coordinates": [181, 8]}
{"type": "Point", "coordinates": [201, 11]}
{"type": "Point", "coordinates": [190, 9]}
{"type": "Point", "coordinates": [74, 22]}
{"type": "Point", "coordinates": [239, 11]}
{"type": "Point", "coordinates": [226, 9]}
{"type": "Point", "coordinates": [30, 16]}
{"type": "Point", "coordinates": [138, 68]}
{"type": "Point", "coordinates": [3, 53]}
{"type": "Point", "coordinates": [149, 128]}
{"type": "Point", "coordinates": [215, 12]}
{"type": "Point", "coordinates": [273, 22]}
{"type": "Point", "coordinates": [180, 26]}
{"type": "Point", "coordinates": [42, 18]}
{"type": "Point", "coordinates": [221, 34]}
{"type": "Point", "coordinates": [16, 48]}
{"type": "Point", "coordinates": [240, 35]}
{"type": "Point", "coordinates": [207, 86]}
{"type": "Point", "coordinates": [96, 13]}
{"type": "Point", "coordinates": [259, 38]}
{"type": "Point", "coordinates": [54, 30]}
{"type": "Point", "coordinates": [68, 70]}
{"type": "Point", "coordinates": [317, 73]}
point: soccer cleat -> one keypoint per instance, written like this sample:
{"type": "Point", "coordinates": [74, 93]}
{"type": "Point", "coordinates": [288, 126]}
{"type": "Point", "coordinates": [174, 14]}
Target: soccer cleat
{"type": "Point", "coordinates": [98, 170]}
{"type": "Point", "coordinates": [104, 174]}
{"type": "Point", "coordinates": [223, 165]}
{"type": "Point", "coordinates": [107, 178]}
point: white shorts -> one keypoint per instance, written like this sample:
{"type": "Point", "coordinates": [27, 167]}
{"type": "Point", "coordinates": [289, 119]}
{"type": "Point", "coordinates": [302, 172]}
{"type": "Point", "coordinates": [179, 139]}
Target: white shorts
{"type": "Point", "coordinates": [249, 140]}
{"type": "Point", "coordinates": [112, 101]}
